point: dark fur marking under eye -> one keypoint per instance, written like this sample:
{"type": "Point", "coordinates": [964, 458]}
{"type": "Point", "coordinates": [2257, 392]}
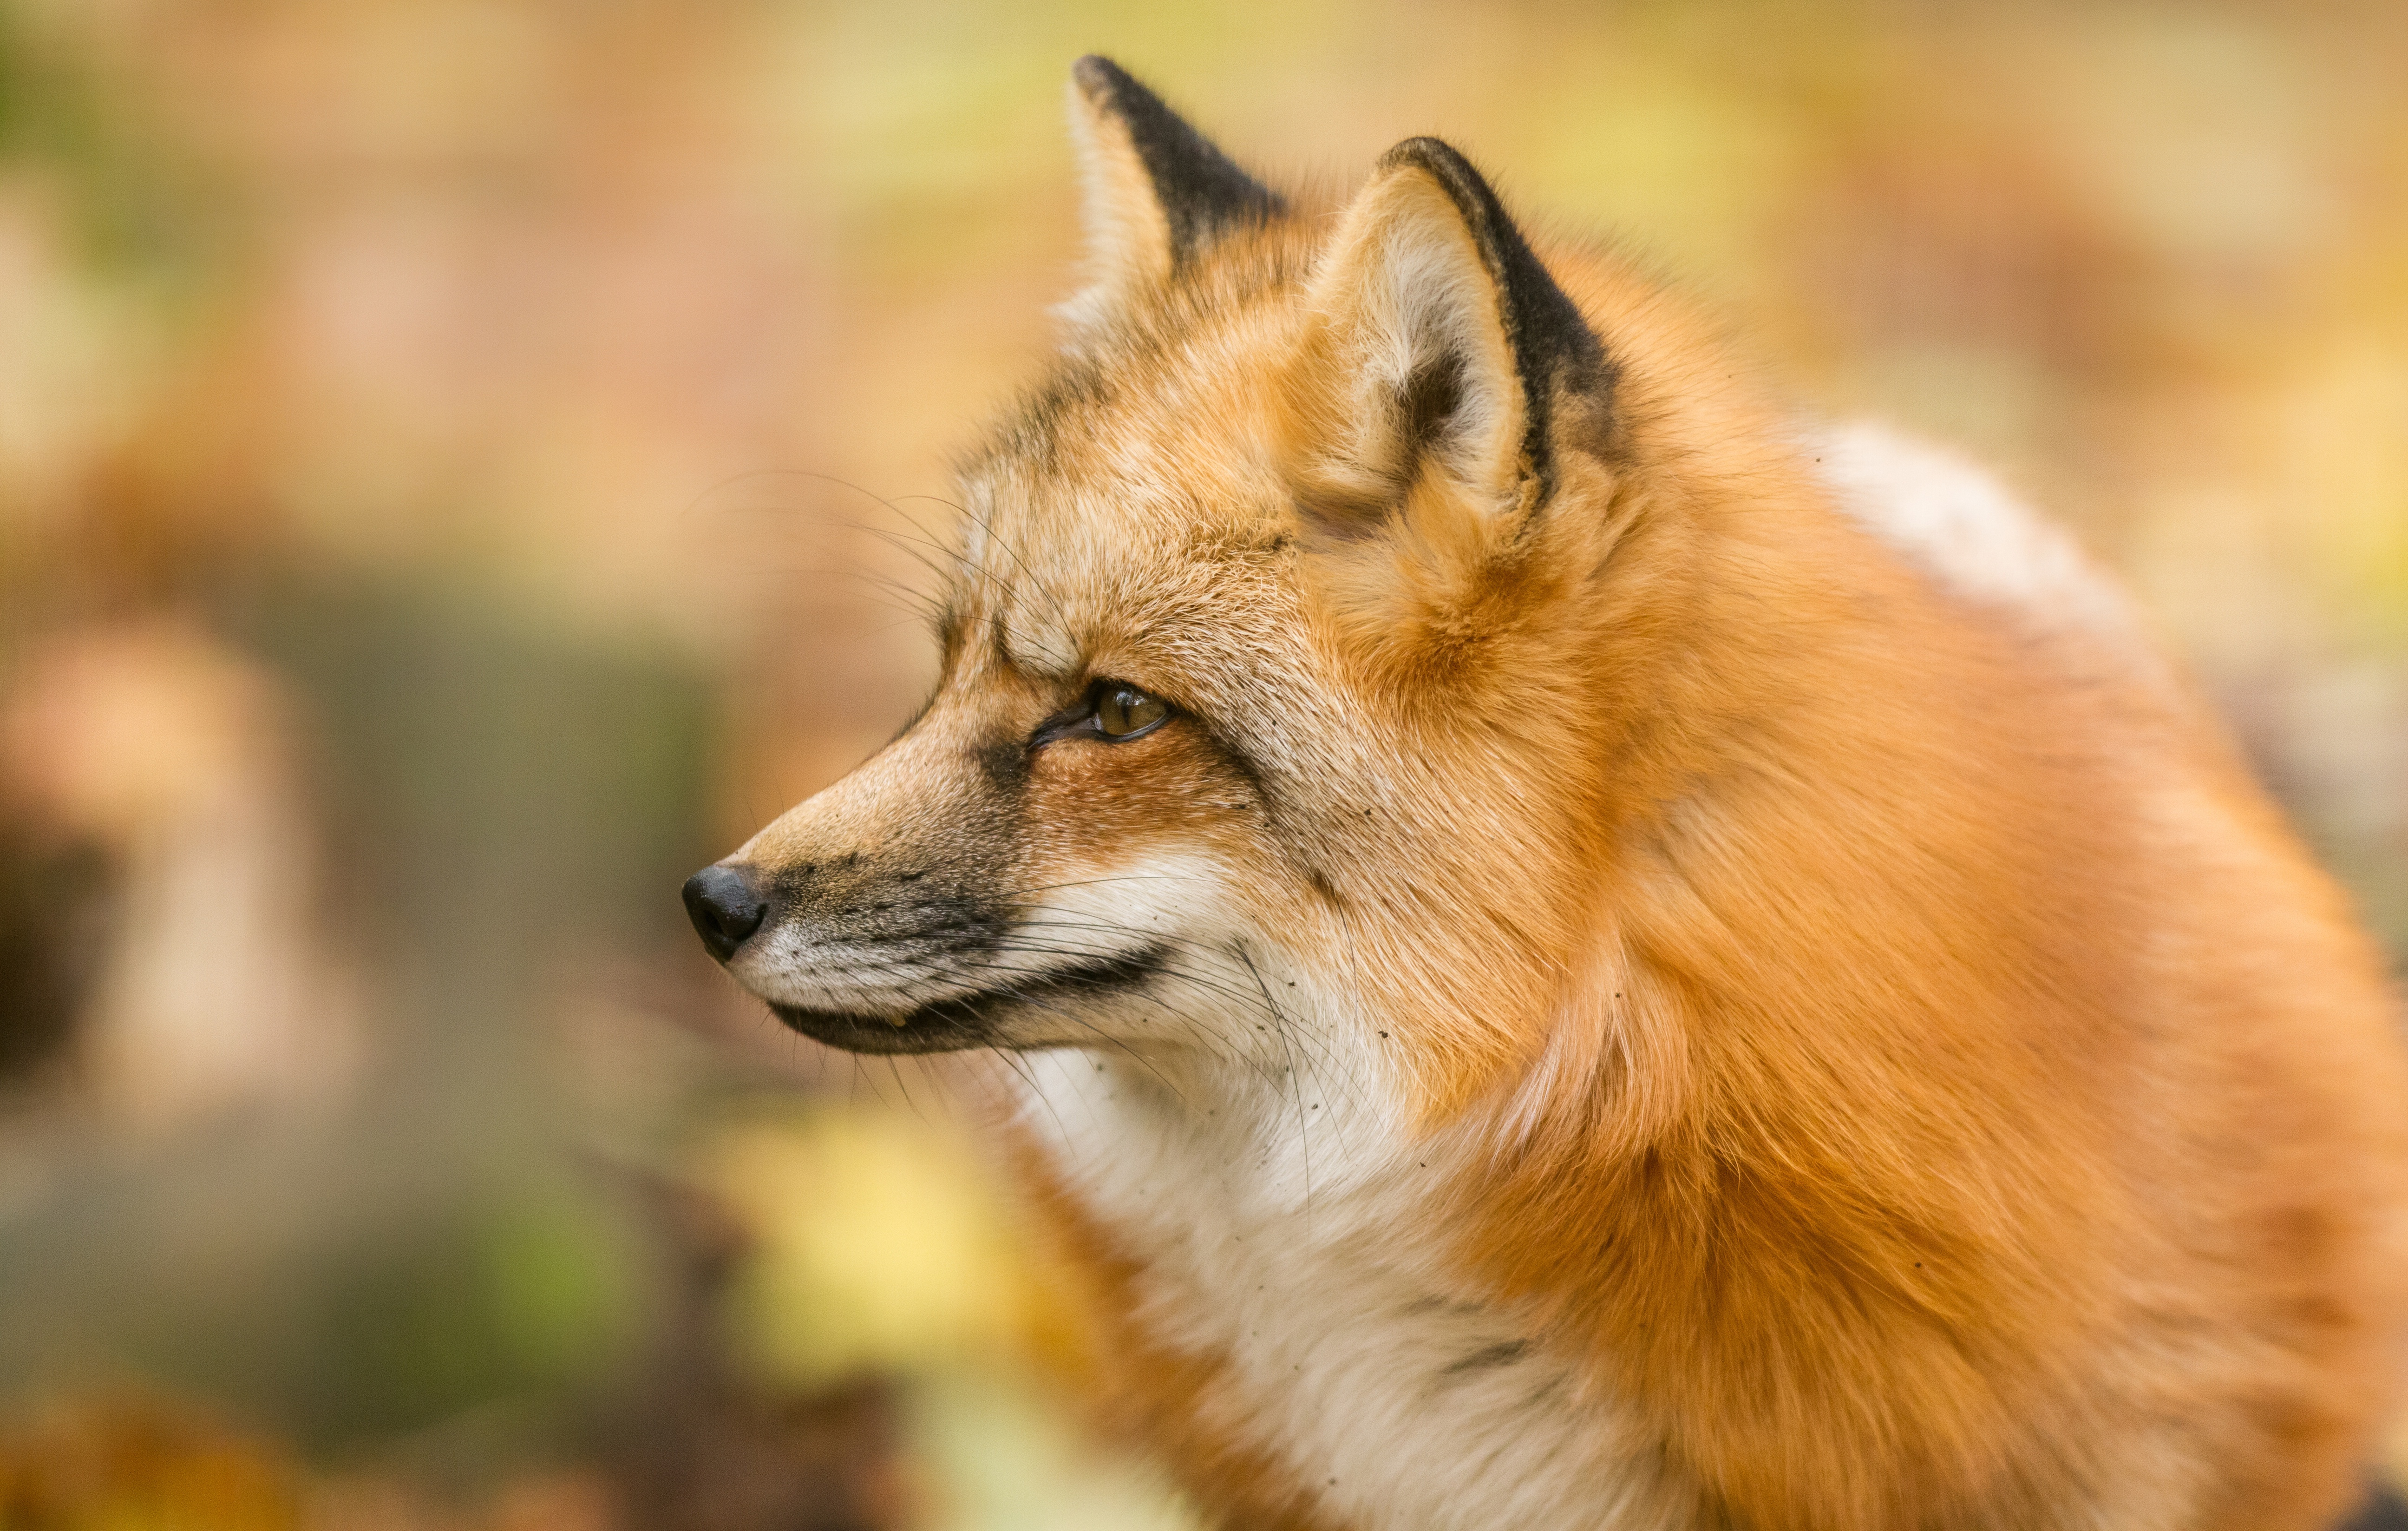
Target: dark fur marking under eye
{"type": "Point", "coordinates": [1239, 761]}
{"type": "Point", "coordinates": [1004, 763]}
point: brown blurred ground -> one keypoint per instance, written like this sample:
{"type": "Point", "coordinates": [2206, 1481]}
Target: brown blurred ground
{"type": "Point", "coordinates": [457, 472]}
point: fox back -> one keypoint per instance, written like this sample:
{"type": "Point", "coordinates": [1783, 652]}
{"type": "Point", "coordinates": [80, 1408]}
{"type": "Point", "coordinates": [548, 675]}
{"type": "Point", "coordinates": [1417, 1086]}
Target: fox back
{"type": "Point", "coordinates": [1575, 949]}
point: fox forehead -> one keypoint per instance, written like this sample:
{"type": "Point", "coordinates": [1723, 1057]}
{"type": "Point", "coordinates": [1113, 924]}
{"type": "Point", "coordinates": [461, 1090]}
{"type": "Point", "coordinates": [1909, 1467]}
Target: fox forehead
{"type": "Point", "coordinates": [1133, 521]}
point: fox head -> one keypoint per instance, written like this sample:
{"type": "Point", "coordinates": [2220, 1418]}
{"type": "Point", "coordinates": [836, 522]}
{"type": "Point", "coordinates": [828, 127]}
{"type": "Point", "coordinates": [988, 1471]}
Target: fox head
{"type": "Point", "coordinates": [1301, 671]}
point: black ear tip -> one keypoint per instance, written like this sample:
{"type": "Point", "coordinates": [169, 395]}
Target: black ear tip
{"type": "Point", "coordinates": [1201, 191]}
{"type": "Point", "coordinates": [1421, 150]}
{"type": "Point", "coordinates": [1099, 77]}
{"type": "Point", "coordinates": [1440, 159]}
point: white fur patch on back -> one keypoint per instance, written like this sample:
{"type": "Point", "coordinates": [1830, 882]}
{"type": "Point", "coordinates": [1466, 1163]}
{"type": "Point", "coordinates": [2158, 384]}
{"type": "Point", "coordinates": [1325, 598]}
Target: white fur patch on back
{"type": "Point", "coordinates": [1961, 527]}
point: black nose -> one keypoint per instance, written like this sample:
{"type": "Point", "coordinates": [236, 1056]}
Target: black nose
{"type": "Point", "coordinates": [725, 908]}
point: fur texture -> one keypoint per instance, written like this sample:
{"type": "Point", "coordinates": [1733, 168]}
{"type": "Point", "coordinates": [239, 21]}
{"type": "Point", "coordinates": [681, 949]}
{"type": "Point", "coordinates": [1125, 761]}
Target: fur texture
{"type": "Point", "coordinates": [1664, 970]}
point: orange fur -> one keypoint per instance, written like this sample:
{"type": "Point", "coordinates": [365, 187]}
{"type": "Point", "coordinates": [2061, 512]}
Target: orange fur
{"type": "Point", "coordinates": [1876, 1041]}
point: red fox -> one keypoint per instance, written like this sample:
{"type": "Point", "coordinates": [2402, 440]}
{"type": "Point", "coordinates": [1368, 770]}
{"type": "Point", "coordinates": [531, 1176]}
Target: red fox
{"type": "Point", "coordinates": [1576, 950]}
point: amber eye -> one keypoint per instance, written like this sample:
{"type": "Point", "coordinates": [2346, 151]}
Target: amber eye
{"type": "Point", "coordinates": [1122, 712]}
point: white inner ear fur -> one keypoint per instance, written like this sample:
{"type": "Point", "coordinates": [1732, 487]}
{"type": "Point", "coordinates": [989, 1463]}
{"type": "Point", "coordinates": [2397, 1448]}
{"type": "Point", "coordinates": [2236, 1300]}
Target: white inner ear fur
{"type": "Point", "coordinates": [1127, 233]}
{"type": "Point", "coordinates": [1404, 291]}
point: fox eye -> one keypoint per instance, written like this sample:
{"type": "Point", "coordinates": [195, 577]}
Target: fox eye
{"type": "Point", "coordinates": [1124, 712]}
{"type": "Point", "coordinates": [1108, 710]}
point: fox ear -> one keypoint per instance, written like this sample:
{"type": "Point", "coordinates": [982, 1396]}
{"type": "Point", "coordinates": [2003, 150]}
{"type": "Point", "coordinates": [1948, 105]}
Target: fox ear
{"type": "Point", "coordinates": [1158, 192]}
{"type": "Point", "coordinates": [1439, 343]}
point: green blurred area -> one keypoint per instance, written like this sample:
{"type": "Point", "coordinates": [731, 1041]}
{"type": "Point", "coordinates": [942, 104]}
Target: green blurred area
{"type": "Point", "coordinates": [453, 456]}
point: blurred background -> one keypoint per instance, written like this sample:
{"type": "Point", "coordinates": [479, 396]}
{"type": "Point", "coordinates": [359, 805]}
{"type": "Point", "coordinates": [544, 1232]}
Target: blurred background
{"type": "Point", "coordinates": [456, 475]}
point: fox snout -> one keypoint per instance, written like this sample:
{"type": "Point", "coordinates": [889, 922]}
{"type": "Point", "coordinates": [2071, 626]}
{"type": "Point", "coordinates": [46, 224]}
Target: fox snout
{"type": "Point", "coordinates": [858, 950]}
{"type": "Point", "coordinates": [871, 953]}
{"type": "Point", "coordinates": [726, 904]}
{"type": "Point", "coordinates": [829, 904]}
{"type": "Point", "coordinates": [918, 906]}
